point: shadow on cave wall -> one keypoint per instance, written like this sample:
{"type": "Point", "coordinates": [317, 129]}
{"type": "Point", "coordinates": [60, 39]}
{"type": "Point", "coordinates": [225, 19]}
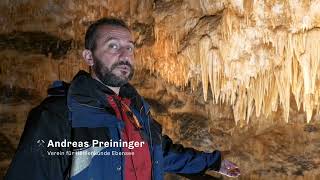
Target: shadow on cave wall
{"type": "Point", "coordinates": [6, 153]}
{"type": "Point", "coordinates": [7, 149]}
{"type": "Point", "coordinates": [36, 42]}
{"type": "Point", "coordinates": [16, 95]}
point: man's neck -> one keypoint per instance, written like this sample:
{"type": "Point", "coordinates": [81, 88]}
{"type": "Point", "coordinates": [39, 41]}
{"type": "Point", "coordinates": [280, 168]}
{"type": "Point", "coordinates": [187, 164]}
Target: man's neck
{"type": "Point", "coordinates": [114, 89]}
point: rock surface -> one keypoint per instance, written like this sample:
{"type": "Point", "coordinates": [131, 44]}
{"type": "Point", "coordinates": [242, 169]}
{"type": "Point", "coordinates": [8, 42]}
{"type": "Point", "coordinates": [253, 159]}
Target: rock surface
{"type": "Point", "coordinates": [218, 74]}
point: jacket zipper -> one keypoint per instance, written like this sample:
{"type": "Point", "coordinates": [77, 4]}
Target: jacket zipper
{"type": "Point", "coordinates": [149, 128]}
{"type": "Point", "coordinates": [151, 143]}
{"type": "Point", "coordinates": [119, 130]}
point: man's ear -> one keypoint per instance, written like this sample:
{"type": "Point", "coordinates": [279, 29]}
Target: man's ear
{"type": "Point", "coordinates": [88, 57]}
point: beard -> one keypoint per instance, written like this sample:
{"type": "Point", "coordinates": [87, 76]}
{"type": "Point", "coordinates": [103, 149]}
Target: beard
{"type": "Point", "coordinates": [106, 76]}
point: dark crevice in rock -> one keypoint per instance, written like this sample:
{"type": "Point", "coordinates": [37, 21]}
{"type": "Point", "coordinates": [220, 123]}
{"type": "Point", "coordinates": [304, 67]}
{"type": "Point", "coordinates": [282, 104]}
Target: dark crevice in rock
{"type": "Point", "coordinates": [189, 118]}
{"type": "Point", "coordinates": [162, 93]}
{"type": "Point", "coordinates": [16, 95]}
{"type": "Point", "coordinates": [303, 163]}
{"type": "Point", "coordinates": [167, 4]}
{"type": "Point", "coordinates": [280, 170]}
{"type": "Point", "coordinates": [191, 123]}
{"type": "Point", "coordinates": [157, 106]}
{"type": "Point", "coordinates": [7, 118]}
{"type": "Point", "coordinates": [7, 149]}
{"type": "Point", "coordinates": [199, 31]}
{"type": "Point", "coordinates": [310, 128]}
{"type": "Point", "coordinates": [145, 34]}
{"type": "Point", "coordinates": [36, 42]}
{"type": "Point", "coordinates": [176, 103]}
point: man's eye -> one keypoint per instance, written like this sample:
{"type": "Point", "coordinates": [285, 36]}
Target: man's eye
{"type": "Point", "coordinates": [130, 49]}
{"type": "Point", "coordinates": [113, 46]}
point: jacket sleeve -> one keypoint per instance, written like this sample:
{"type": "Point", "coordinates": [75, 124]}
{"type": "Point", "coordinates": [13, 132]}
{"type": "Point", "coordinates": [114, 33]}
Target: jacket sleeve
{"type": "Point", "coordinates": [31, 160]}
{"type": "Point", "coordinates": [178, 159]}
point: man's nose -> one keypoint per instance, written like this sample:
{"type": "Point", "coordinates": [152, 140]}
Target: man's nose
{"type": "Point", "coordinates": [125, 54]}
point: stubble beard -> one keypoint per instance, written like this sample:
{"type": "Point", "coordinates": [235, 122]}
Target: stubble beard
{"type": "Point", "coordinates": [107, 77]}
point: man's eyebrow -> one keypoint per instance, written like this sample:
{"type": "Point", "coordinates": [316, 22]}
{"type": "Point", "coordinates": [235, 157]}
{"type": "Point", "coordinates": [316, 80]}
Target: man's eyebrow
{"type": "Point", "coordinates": [109, 39]}
{"type": "Point", "coordinates": [113, 38]}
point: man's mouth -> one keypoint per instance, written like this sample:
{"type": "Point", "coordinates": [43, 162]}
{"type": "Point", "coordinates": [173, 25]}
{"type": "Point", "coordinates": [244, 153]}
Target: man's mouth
{"type": "Point", "coordinates": [124, 68]}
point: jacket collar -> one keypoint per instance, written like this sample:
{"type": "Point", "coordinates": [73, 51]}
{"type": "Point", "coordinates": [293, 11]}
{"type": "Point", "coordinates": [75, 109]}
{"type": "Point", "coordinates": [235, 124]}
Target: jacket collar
{"type": "Point", "coordinates": [86, 90]}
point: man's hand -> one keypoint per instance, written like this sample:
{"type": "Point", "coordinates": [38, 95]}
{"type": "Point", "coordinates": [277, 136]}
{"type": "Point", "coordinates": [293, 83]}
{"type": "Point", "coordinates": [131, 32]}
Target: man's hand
{"type": "Point", "coordinates": [229, 169]}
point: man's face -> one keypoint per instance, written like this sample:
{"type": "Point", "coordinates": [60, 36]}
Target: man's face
{"type": "Point", "coordinates": [113, 56]}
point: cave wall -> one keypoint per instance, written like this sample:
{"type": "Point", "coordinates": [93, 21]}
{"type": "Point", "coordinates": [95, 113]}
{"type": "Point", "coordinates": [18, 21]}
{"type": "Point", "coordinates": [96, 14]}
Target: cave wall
{"type": "Point", "coordinates": [214, 74]}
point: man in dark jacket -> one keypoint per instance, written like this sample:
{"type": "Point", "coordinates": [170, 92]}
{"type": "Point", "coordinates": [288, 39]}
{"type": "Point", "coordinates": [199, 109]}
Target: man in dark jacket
{"type": "Point", "coordinates": [100, 128]}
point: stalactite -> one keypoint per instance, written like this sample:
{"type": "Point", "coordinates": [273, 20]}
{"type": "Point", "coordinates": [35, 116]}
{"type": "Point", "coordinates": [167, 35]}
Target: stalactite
{"type": "Point", "coordinates": [204, 57]}
{"type": "Point", "coordinates": [288, 56]}
{"type": "Point", "coordinates": [256, 57]}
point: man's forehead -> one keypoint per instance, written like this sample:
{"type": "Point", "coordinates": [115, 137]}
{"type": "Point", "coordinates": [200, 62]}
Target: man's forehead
{"type": "Point", "coordinates": [117, 32]}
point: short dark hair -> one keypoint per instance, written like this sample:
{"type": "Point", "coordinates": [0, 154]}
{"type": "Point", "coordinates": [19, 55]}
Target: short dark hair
{"type": "Point", "coordinates": [91, 34]}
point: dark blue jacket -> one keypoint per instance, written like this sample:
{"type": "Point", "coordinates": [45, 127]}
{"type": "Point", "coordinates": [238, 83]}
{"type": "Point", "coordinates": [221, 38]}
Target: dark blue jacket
{"type": "Point", "coordinates": [83, 114]}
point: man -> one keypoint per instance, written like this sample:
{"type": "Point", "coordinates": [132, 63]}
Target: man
{"type": "Point", "coordinates": [103, 107]}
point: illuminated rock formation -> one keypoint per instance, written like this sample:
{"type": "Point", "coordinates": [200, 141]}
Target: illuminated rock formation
{"type": "Point", "coordinates": [253, 55]}
{"type": "Point", "coordinates": [240, 75]}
